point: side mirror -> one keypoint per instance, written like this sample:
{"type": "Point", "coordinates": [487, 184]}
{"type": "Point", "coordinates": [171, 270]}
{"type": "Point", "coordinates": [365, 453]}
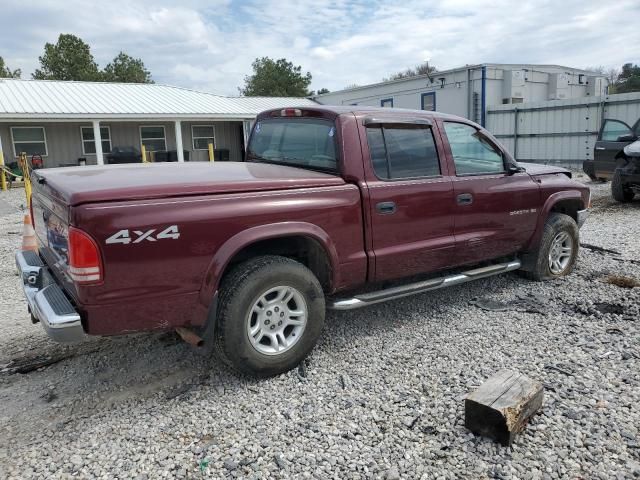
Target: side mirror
{"type": "Point", "coordinates": [629, 137]}
{"type": "Point", "coordinates": [513, 168]}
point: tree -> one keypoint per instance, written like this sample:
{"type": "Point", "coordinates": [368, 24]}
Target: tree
{"type": "Point", "coordinates": [421, 69]}
{"type": "Point", "coordinates": [629, 79]}
{"type": "Point", "coordinates": [323, 90]}
{"type": "Point", "coordinates": [69, 59]}
{"type": "Point", "coordinates": [276, 78]}
{"type": "Point", "coordinates": [597, 69]}
{"type": "Point", "coordinates": [124, 68]}
{"type": "Point", "coordinates": [6, 72]}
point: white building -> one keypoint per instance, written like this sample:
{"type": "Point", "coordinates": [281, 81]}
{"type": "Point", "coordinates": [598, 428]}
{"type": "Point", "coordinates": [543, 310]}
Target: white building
{"type": "Point", "coordinates": [468, 91]}
{"type": "Point", "coordinates": [60, 121]}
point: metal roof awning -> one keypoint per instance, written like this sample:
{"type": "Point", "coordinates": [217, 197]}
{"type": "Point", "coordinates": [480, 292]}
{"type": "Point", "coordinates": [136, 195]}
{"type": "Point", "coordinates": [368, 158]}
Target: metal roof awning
{"type": "Point", "coordinates": [22, 100]}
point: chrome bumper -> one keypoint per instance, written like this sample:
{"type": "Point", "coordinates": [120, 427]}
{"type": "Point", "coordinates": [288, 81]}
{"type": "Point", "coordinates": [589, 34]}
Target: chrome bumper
{"type": "Point", "coordinates": [582, 217]}
{"type": "Point", "coordinates": [47, 302]}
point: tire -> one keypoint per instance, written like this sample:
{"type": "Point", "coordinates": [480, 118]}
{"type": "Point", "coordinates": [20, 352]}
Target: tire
{"type": "Point", "coordinates": [249, 303]}
{"type": "Point", "coordinates": [538, 266]}
{"type": "Point", "coordinates": [618, 190]}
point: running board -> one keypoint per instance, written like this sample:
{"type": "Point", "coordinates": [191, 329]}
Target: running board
{"type": "Point", "coordinates": [371, 298]}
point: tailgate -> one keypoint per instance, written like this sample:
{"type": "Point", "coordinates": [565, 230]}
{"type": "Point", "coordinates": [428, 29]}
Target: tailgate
{"type": "Point", "coordinates": [51, 223]}
{"type": "Point", "coordinates": [51, 228]}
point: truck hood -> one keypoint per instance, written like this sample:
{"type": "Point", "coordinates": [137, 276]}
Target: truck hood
{"type": "Point", "coordinates": [539, 169]}
{"type": "Point", "coordinates": [76, 185]}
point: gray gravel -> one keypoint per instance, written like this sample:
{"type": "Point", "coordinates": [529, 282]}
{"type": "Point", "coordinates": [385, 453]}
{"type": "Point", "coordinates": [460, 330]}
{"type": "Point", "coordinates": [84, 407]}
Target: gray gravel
{"type": "Point", "coordinates": [381, 396]}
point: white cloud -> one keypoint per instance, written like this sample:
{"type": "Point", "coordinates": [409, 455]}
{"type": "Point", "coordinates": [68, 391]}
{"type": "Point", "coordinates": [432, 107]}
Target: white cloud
{"type": "Point", "coordinates": [211, 44]}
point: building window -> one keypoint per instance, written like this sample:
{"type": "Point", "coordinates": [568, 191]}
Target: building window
{"type": "Point", "coordinates": [386, 103]}
{"type": "Point", "coordinates": [202, 136]}
{"type": "Point", "coordinates": [88, 140]}
{"type": "Point", "coordinates": [31, 140]}
{"type": "Point", "coordinates": [428, 101]}
{"type": "Point", "coordinates": [153, 138]}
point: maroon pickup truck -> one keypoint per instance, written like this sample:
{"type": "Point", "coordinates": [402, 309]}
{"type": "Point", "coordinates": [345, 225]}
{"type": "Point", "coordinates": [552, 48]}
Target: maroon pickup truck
{"type": "Point", "coordinates": [335, 207]}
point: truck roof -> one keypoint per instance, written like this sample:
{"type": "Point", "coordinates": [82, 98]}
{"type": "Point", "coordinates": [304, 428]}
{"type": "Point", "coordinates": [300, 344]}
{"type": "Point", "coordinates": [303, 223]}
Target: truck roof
{"type": "Point", "coordinates": [364, 110]}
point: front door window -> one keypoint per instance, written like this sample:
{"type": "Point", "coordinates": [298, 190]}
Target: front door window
{"type": "Point", "coordinates": [473, 153]}
{"type": "Point", "coordinates": [612, 129]}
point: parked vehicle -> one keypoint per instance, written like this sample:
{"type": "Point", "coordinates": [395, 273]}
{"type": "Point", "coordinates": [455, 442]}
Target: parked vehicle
{"type": "Point", "coordinates": [335, 207]}
{"type": "Point", "coordinates": [626, 178]}
{"type": "Point", "coordinates": [125, 154]}
{"type": "Point", "coordinates": [608, 154]}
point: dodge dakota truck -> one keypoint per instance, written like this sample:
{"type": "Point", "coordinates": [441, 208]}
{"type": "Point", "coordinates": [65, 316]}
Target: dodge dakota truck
{"type": "Point", "coordinates": [333, 207]}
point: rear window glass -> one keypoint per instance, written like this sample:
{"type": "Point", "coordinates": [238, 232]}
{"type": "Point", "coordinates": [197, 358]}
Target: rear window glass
{"type": "Point", "coordinates": [305, 143]}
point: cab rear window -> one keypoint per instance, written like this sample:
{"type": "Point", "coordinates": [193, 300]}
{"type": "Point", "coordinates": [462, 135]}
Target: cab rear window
{"type": "Point", "coordinates": [300, 142]}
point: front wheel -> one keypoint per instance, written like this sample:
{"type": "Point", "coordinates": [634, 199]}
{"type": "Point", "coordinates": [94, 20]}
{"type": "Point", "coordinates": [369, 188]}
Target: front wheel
{"type": "Point", "coordinates": [618, 190]}
{"type": "Point", "coordinates": [558, 250]}
{"type": "Point", "coordinates": [270, 315]}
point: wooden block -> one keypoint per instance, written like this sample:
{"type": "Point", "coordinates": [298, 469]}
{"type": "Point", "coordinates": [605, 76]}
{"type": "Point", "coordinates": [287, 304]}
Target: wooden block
{"type": "Point", "coordinates": [501, 406]}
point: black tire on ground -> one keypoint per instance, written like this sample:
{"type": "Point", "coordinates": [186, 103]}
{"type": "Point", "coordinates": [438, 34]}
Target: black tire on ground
{"type": "Point", "coordinates": [618, 191]}
{"type": "Point", "coordinates": [537, 265]}
{"type": "Point", "coordinates": [240, 290]}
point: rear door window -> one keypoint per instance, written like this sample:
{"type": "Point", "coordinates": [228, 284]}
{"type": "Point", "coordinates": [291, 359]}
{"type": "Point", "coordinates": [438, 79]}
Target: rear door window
{"type": "Point", "coordinates": [406, 151]}
{"type": "Point", "coordinates": [305, 143]}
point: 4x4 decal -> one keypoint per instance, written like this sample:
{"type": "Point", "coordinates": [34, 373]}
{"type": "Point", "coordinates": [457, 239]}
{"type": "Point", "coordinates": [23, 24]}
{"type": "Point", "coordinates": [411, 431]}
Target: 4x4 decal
{"type": "Point", "coordinates": [124, 236]}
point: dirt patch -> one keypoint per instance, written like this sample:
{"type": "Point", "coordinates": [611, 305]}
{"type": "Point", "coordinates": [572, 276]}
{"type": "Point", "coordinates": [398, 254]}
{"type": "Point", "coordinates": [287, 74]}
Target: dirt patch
{"type": "Point", "coordinates": [621, 281]}
{"type": "Point", "coordinates": [605, 307]}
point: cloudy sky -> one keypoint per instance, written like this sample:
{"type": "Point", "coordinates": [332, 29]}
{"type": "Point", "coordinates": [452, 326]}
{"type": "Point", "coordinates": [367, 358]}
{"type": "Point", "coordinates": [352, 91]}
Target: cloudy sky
{"type": "Point", "coordinates": [210, 44]}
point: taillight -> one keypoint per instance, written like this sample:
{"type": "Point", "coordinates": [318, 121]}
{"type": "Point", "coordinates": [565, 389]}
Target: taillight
{"type": "Point", "coordinates": [85, 265]}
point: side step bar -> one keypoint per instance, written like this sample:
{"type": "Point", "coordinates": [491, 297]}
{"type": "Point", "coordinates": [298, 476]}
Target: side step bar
{"type": "Point", "coordinates": [371, 298]}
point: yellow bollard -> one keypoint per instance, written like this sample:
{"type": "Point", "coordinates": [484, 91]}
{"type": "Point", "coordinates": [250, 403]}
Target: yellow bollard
{"type": "Point", "coordinates": [24, 166]}
{"type": "Point", "coordinates": [211, 156]}
{"type": "Point", "coordinates": [3, 175]}
{"type": "Point", "coordinates": [143, 150]}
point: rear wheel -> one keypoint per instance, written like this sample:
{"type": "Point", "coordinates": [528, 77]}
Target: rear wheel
{"type": "Point", "coordinates": [270, 315]}
{"type": "Point", "coordinates": [619, 191]}
{"type": "Point", "coordinates": [558, 250]}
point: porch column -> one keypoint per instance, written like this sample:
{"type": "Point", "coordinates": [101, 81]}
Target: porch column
{"type": "Point", "coordinates": [98, 139]}
{"type": "Point", "coordinates": [179, 148]}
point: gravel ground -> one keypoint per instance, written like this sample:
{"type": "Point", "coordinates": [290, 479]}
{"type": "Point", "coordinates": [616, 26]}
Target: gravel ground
{"type": "Point", "coordinates": [381, 396]}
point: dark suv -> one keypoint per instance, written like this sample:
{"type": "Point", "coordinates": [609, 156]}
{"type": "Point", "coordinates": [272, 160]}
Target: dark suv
{"type": "Point", "coordinates": [613, 136]}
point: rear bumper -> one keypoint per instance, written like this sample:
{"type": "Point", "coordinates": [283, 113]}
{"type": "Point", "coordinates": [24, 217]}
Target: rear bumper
{"type": "Point", "coordinates": [582, 217]}
{"type": "Point", "coordinates": [47, 301]}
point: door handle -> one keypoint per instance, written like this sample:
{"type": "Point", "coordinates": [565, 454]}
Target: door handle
{"type": "Point", "coordinates": [600, 148]}
{"type": "Point", "coordinates": [464, 199]}
{"type": "Point", "coordinates": [386, 207]}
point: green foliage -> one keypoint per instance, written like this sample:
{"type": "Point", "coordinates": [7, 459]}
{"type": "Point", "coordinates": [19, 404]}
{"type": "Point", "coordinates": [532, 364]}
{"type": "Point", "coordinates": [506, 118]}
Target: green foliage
{"type": "Point", "coordinates": [276, 78]}
{"type": "Point", "coordinates": [69, 59]}
{"type": "Point", "coordinates": [421, 69]}
{"type": "Point", "coordinates": [323, 90]}
{"type": "Point", "coordinates": [6, 72]}
{"type": "Point", "coordinates": [127, 69]}
{"type": "Point", "coordinates": [629, 79]}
